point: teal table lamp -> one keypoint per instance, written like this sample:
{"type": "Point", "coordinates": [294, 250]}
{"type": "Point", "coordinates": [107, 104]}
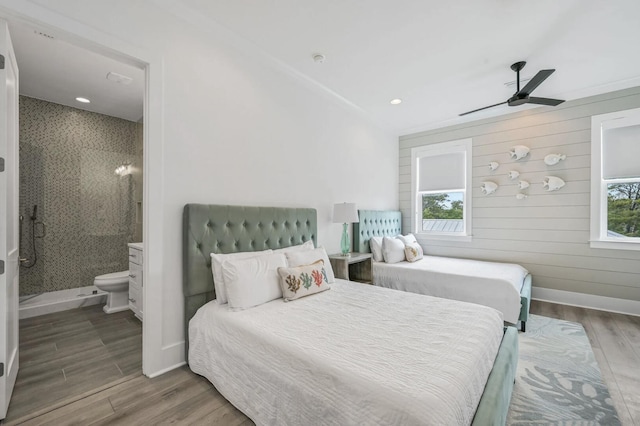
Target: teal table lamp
{"type": "Point", "coordinates": [345, 213]}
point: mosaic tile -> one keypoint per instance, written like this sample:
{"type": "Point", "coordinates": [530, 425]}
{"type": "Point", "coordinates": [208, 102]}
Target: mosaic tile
{"type": "Point", "coordinates": [68, 159]}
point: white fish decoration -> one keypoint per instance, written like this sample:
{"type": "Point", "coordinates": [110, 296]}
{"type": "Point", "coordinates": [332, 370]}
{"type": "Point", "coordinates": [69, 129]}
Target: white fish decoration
{"type": "Point", "coordinates": [493, 165]}
{"type": "Point", "coordinates": [552, 183]}
{"type": "Point", "coordinates": [513, 174]}
{"type": "Point", "coordinates": [523, 184]}
{"type": "Point", "coordinates": [488, 187]}
{"type": "Point", "coordinates": [519, 151]}
{"type": "Point", "coordinates": [521, 196]}
{"type": "Point", "coordinates": [553, 159]}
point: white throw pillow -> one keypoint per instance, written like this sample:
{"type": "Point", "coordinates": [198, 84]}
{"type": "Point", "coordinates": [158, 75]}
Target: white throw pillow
{"type": "Point", "coordinates": [392, 250]}
{"type": "Point", "coordinates": [254, 281]}
{"type": "Point", "coordinates": [407, 239]}
{"type": "Point", "coordinates": [413, 252]}
{"type": "Point", "coordinates": [303, 280]}
{"type": "Point", "coordinates": [300, 247]}
{"type": "Point", "coordinates": [216, 268]}
{"type": "Point", "coordinates": [298, 258]}
{"type": "Point", "coordinates": [375, 244]}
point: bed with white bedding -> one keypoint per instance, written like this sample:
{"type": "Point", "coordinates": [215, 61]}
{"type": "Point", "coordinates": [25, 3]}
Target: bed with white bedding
{"type": "Point", "coordinates": [311, 358]}
{"type": "Point", "coordinates": [503, 286]}
{"type": "Point", "coordinates": [355, 354]}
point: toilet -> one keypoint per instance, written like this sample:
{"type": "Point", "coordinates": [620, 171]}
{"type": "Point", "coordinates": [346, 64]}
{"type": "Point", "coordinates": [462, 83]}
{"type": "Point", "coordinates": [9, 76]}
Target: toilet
{"type": "Point", "coordinates": [116, 284]}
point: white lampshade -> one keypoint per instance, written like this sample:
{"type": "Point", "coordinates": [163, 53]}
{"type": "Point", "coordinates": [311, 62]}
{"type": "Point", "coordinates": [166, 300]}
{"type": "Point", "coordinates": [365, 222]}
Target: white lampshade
{"type": "Point", "coordinates": [345, 213]}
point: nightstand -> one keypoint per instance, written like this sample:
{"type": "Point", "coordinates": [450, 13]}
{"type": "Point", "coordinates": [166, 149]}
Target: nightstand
{"type": "Point", "coordinates": [356, 267]}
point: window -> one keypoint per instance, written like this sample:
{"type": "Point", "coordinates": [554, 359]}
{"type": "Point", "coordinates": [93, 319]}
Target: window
{"type": "Point", "coordinates": [615, 180]}
{"type": "Point", "coordinates": [441, 190]}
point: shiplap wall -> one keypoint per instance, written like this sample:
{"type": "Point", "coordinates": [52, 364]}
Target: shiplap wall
{"type": "Point", "coordinates": [548, 232]}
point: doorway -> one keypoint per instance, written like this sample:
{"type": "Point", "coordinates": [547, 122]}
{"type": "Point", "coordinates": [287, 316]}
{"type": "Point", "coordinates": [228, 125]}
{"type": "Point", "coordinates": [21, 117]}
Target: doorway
{"type": "Point", "coordinates": [81, 193]}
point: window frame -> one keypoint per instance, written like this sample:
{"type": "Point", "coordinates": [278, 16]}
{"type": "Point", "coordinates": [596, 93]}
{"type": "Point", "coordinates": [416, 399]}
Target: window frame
{"type": "Point", "coordinates": [462, 145]}
{"type": "Point", "coordinates": [599, 185]}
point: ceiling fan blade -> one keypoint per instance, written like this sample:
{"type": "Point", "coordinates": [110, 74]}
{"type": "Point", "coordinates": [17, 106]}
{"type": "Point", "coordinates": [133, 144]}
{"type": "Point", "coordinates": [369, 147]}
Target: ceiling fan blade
{"type": "Point", "coordinates": [480, 109]}
{"type": "Point", "coordinates": [535, 81]}
{"type": "Point", "coordinates": [544, 101]}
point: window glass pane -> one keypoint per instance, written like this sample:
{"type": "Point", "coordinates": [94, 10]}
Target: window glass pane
{"type": "Point", "coordinates": [623, 210]}
{"type": "Point", "coordinates": [443, 212]}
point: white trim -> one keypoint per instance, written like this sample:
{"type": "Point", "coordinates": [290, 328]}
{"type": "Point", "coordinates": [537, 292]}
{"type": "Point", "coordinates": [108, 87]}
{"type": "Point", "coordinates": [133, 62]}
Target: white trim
{"type": "Point", "coordinates": [598, 224]}
{"type": "Point", "coordinates": [460, 145]}
{"type": "Point", "coordinates": [590, 301]}
{"type": "Point", "coordinates": [166, 370]}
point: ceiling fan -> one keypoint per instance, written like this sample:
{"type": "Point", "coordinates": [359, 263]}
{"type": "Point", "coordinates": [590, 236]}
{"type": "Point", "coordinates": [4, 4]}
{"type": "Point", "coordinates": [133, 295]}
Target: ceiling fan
{"type": "Point", "coordinates": [522, 96]}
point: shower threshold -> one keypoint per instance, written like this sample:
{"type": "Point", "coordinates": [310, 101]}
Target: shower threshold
{"type": "Point", "coordinates": [57, 301]}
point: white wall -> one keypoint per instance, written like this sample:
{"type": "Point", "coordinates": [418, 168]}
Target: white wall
{"type": "Point", "coordinates": [226, 127]}
{"type": "Point", "coordinates": [547, 233]}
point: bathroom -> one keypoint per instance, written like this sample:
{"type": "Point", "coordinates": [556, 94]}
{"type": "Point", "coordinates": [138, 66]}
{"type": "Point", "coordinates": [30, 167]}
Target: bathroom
{"type": "Point", "coordinates": [81, 163]}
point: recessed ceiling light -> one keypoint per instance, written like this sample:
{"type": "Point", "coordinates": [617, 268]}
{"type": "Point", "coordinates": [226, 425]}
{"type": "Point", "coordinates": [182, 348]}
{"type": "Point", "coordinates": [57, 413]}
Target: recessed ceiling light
{"type": "Point", "coordinates": [318, 58]}
{"type": "Point", "coordinates": [83, 100]}
{"type": "Point", "coordinates": [396, 101]}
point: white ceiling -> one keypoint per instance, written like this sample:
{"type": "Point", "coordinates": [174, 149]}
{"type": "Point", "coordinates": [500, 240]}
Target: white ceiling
{"type": "Point", "coordinates": [57, 71]}
{"type": "Point", "coordinates": [441, 58]}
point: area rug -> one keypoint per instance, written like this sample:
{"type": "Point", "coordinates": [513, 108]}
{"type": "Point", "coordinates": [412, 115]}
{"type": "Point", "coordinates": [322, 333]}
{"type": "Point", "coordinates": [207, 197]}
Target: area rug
{"type": "Point", "coordinates": [558, 380]}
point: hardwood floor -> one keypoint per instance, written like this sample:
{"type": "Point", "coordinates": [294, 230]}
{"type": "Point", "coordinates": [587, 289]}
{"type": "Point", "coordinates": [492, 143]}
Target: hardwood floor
{"type": "Point", "coordinates": [84, 367]}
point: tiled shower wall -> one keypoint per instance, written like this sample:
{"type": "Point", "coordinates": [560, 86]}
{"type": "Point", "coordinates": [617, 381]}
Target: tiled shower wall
{"type": "Point", "coordinates": [86, 213]}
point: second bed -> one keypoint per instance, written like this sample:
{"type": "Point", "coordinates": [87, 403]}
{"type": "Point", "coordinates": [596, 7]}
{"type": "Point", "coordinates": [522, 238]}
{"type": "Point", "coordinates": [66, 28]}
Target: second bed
{"type": "Point", "coordinates": [502, 286]}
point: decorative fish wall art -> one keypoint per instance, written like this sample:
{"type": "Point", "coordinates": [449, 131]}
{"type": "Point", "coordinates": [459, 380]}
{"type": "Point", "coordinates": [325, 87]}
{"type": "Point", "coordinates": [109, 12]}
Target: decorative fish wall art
{"type": "Point", "coordinates": [493, 165]}
{"type": "Point", "coordinates": [521, 196]}
{"type": "Point", "coordinates": [523, 184]}
{"type": "Point", "coordinates": [488, 187]}
{"type": "Point", "coordinates": [519, 152]}
{"type": "Point", "coordinates": [552, 183]}
{"type": "Point", "coordinates": [513, 174]}
{"type": "Point", "coordinates": [553, 159]}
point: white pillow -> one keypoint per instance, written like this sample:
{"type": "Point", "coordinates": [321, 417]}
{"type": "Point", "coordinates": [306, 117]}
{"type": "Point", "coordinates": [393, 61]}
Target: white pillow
{"type": "Point", "coordinates": [253, 281]}
{"type": "Point", "coordinates": [216, 268]}
{"type": "Point", "coordinates": [299, 258]}
{"type": "Point", "coordinates": [407, 239]}
{"type": "Point", "coordinates": [375, 243]}
{"type": "Point", "coordinates": [392, 250]}
{"type": "Point", "coordinates": [413, 252]}
{"type": "Point", "coordinates": [300, 247]}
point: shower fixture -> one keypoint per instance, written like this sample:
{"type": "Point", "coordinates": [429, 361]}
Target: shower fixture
{"type": "Point", "coordinates": [24, 262]}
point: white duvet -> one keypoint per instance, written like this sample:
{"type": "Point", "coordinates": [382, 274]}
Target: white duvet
{"type": "Point", "coordinates": [354, 355]}
{"type": "Point", "coordinates": [496, 285]}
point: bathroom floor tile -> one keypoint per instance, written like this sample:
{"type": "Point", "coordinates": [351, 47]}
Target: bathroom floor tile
{"type": "Point", "coordinates": [69, 353]}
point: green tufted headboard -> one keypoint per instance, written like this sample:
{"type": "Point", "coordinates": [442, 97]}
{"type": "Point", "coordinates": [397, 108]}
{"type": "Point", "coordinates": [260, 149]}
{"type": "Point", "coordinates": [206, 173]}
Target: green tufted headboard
{"type": "Point", "coordinates": [210, 229]}
{"type": "Point", "coordinates": [375, 223]}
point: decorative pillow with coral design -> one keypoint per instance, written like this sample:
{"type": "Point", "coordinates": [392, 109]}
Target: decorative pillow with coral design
{"type": "Point", "coordinates": [300, 281]}
{"type": "Point", "coordinates": [413, 252]}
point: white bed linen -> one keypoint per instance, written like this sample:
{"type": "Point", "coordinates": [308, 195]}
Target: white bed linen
{"type": "Point", "coordinates": [496, 285]}
{"type": "Point", "coordinates": [356, 354]}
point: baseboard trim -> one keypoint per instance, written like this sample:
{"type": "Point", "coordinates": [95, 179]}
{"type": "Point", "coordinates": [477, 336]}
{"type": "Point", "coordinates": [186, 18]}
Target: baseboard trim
{"type": "Point", "coordinates": [166, 370]}
{"type": "Point", "coordinates": [590, 301]}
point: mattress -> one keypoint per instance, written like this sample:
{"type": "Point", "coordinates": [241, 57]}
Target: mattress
{"type": "Point", "coordinates": [496, 285]}
{"type": "Point", "coordinates": [356, 354]}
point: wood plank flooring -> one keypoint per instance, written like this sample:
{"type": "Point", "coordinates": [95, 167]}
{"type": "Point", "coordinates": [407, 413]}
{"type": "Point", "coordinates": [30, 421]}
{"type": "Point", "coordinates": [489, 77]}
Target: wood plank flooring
{"type": "Point", "coordinates": [84, 367]}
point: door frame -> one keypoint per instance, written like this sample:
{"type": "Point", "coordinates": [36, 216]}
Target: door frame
{"type": "Point", "coordinates": [156, 356]}
{"type": "Point", "coordinates": [10, 245]}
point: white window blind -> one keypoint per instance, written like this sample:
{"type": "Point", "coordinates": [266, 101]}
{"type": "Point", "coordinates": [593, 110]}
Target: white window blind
{"type": "Point", "coordinates": [621, 152]}
{"type": "Point", "coordinates": [444, 172]}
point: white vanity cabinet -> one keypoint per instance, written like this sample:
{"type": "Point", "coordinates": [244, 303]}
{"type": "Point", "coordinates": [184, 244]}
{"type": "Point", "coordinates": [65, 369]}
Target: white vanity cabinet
{"type": "Point", "coordinates": [135, 279]}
